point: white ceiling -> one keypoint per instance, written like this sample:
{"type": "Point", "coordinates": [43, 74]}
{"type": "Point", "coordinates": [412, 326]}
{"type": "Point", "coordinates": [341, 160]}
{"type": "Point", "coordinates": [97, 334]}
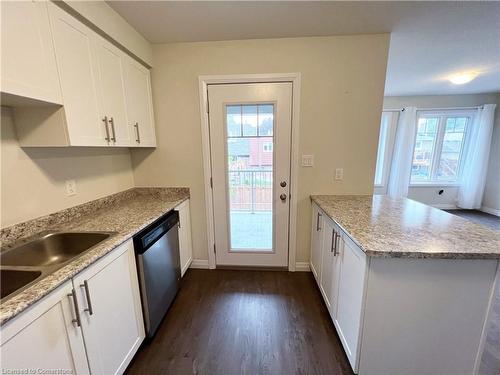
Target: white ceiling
{"type": "Point", "coordinates": [429, 40]}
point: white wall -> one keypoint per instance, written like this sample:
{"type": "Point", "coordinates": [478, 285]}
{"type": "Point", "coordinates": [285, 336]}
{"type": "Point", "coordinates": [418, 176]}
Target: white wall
{"type": "Point", "coordinates": [341, 99]}
{"type": "Point", "coordinates": [33, 179]}
{"type": "Point", "coordinates": [429, 195]}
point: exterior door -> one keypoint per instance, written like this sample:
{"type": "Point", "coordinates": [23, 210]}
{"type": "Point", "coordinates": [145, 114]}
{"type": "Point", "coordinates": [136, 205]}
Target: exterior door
{"type": "Point", "coordinates": [250, 138]}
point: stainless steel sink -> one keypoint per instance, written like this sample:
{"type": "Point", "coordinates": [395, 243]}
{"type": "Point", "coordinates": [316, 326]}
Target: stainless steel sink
{"type": "Point", "coordinates": [51, 249]}
{"type": "Point", "coordinates": [13, 280]}
{"type": "Point", "coordinates": [34, 258]}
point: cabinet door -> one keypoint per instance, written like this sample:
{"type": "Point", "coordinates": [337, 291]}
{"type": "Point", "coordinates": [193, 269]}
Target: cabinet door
{"type": "Point", "coordinates": [78, 75]}
{"type": "Point", "coordinates": [45, 337]}
{"type": "Point", "coordinates": [350, 298]}
{"type": "Point", "coordinates": [316, 242]}
{"type": "Point", "coordinates": [112, 92]}
{"type": "Point", "coordinates": [139, 103]}
{"type": "Point", "coordinates": [28, 61]}
{"type": "Point", "coordinates": [185, 240]}
{"type": "Point", "coordinates": [111, 313]}
{"type": "Point", "coordinates": [327, 262]}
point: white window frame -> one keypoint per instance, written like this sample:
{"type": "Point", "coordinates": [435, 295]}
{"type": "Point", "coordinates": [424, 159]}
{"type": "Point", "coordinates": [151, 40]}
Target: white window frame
{"type": "Point", "coordinates": [436, 154]}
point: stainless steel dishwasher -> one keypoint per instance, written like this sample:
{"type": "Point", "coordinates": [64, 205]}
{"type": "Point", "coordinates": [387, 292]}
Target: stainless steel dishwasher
{"type": "Point", "coordinates": [157, 253]}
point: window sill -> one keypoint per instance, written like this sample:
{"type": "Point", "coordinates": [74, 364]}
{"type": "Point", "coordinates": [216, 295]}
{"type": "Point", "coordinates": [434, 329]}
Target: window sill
{"type": "Point", "coordinates": [435, 184]}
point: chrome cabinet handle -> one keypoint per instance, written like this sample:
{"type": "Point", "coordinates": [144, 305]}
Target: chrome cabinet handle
{"type": "Point", "coordinates": [85, 285]}
{"type": "Point", "coordinates": [105, 120]}
{"type": "Point", "coordinates": [318, 228]}
{"type": "Point", "coordinates": [333, 247]}
{"type": "Point", "coordinates": [136, 126]}
{"type": "Point", "coordinates": [77, 311]}
{"type": "Point", "coordinates": [112, 122]}
{"type": "Point", "coordinates": [337, 244]}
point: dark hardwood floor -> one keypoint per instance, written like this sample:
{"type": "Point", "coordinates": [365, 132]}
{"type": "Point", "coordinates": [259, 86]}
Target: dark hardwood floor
{"type": "Point", "coordinates": [479, 217]}
{"type": "Point", "coordinates": [226, 322]}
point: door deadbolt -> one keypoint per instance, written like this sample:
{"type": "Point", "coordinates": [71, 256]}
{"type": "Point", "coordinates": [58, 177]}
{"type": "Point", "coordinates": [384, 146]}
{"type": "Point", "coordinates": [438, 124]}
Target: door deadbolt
{"type": "Point", "coordinates": [283, 183]}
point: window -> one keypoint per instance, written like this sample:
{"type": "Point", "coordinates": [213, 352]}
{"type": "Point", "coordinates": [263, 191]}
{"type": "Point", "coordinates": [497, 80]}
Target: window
{"type": "Point", "coordinates": [267, 146]}
{"type": "Point", "coordinates": [439, 146]}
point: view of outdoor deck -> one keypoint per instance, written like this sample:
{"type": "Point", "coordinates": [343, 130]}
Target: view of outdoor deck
{"type": "Point", "coordinates": [251, 215]}
{"type": "Point", "coordinates": [250, 147]}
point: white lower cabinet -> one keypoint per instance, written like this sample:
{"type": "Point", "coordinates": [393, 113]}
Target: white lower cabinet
{"type": "Point", "coordinates": [351, 284]}
{"type": "Point", "coordinates": [45, 337]}
{"type": "Point", "coordinates": [97, 333]}
{"type": "Point", "coordinates": [328, 264]}
{"type": "Point", "coordinates": [185, 239]}
{"type": "Point", "coordinates": [340, 272]}
{"type": "Point", "coordinates": [110, 310]}
{"type": "Point", "coordinates": [316, 242]}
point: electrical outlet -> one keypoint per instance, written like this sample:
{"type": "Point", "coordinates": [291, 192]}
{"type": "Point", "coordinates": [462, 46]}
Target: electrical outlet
{"type": "Point", "coordinates": [70, 187]}
{"type": "Point", "coordinates": [339, 174]}
{"type": "Point", "coordinates": [307, 160]}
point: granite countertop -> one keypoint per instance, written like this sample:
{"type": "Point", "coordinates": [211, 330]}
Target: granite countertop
{"type": "Point", "coordinates": [125, 213]}
{"type": "Point", "coordinates": [403, 228]}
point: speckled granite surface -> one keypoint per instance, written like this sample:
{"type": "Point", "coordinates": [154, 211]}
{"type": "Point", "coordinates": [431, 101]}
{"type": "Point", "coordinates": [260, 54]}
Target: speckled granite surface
{"type": "Point", "coordinates": [403, 228]}
{"type": "Point", "coordinates": [125, 213]}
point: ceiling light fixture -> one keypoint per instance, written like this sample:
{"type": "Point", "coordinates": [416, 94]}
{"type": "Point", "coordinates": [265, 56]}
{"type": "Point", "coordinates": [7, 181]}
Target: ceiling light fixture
{"type": "Point", "coordinates": [461, 78]}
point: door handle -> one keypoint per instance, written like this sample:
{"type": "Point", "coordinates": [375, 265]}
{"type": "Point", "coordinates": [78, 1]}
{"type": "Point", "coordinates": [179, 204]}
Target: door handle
{"type": "Point", "coordinates": [112, 122]}
{"type": "Point", "coordinates": [77, 312]}
{"type": "Point", "coordinates": [318, 228]}
{"type": "Point", "coordinates": [283, 197]}
{"type": "Point", "coordinates": [333, 248]}
{"type": "Point", "coordinates": [136, 126]}
{"type": "Point", "coordinates": [105, 120]}
{"type": "Point", "coordinates": [85, 285]}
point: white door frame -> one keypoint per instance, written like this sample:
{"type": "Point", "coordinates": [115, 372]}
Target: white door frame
{"type": "Point", "coordinates": [206, 80]}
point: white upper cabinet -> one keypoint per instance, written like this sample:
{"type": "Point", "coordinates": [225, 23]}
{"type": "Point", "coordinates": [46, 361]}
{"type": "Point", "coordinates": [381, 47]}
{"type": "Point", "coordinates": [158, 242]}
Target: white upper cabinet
{"type": "Point", "coordinates": [139, 103]}
{"type": "Point", "coordinates": [112, 92]}
{"type": "Point", "coordinates": [28, 61]}
{"type": "Point", "coordinates": [78, 74]}
{"type": "Point", "coordinates": [105, 94]}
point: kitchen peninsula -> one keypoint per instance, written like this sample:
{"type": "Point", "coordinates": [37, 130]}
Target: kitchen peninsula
{"type": "Point", "coordinates": [408, 286]}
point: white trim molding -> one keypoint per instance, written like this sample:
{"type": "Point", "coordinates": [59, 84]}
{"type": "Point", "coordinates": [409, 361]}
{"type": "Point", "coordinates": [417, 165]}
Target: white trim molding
{"type": "Point", "coordinates": [302, 267]}
{"type": "Point", "coordinates": [203, 82]}
{"type": "Point", "coordinates": [492, 211]}
{"type": "Point", "coordinates": [199, 263]}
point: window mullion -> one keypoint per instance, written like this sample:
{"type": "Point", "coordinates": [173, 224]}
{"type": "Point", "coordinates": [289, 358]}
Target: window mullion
{"type": "Point", "coordinates": [438, 147]}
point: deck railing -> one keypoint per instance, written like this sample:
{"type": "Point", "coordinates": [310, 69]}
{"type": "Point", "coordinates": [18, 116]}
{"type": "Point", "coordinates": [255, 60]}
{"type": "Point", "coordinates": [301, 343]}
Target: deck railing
{"type": "Point", "coordinates": [251, 190]}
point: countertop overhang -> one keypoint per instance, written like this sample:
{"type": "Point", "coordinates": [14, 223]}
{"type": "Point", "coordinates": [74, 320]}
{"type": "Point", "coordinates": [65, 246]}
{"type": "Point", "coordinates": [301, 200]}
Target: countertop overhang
{"type": "Point", "coordinates": [125, 213]}
{"type": "Point", "coordinates": [403, 228]}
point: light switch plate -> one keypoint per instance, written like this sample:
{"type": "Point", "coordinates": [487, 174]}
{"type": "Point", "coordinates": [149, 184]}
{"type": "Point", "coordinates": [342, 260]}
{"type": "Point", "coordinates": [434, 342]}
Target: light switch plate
{"type": "Point", "coordinates": [339, 174]}
{"type": "Point", "coordinates": [70, 187]}
{"type": "Point", "coordinates": [307, 160]}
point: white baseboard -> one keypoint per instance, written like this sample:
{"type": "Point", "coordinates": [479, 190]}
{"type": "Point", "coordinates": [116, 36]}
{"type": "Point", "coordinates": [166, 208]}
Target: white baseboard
{"type": "Point", "coordinates": [444, 206]}
{"type": "Point", "coordinates": [302, 267]}
{"type": "Point", "coordinates": [489, 210]}
{"type": "Point", "coordinates": [199, 263]}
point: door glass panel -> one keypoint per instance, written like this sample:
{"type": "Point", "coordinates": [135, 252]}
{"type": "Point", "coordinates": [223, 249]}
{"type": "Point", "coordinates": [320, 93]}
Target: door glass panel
{"type": "Point", "coordinates": [250, 154]}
